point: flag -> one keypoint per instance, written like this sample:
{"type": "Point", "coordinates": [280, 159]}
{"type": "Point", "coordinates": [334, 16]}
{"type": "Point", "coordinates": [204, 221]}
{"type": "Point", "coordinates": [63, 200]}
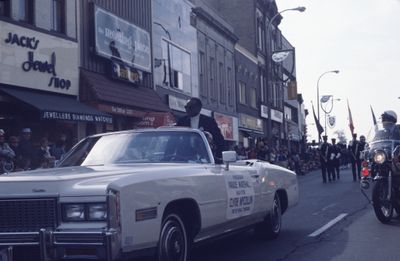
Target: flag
{"type": "Point", "coordinates": [351, 125]}
{"type": "Point", "coordinates": [319, 126]}
{"type": "Point", "coordinates": [373, 116]}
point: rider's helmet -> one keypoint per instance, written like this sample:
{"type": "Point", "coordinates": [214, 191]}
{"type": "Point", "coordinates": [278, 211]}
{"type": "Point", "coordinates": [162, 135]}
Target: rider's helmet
{"type": "Point", "coordinates": [389, 116]}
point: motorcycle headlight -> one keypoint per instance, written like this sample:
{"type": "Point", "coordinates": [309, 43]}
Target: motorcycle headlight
{"type": "Point", "coordinates": [74, 212]}
{"type": "Point", "coordinates": [97, 212]}
{"type": "Point", "coordinates": [379, 157]}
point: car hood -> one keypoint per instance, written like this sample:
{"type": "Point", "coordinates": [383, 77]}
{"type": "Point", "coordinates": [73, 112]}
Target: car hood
{"type": "Point", "coordinates": [81, 180]}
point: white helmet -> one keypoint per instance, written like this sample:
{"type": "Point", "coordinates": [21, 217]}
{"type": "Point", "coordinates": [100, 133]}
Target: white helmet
{"type": "Point", "coordinates": [389, 116]}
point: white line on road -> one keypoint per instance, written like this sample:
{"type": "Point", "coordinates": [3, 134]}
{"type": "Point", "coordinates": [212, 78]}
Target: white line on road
{"type": "Point", "coordinates": [328, 225]}
{"type": "Point", "coordinates": [325, 208]}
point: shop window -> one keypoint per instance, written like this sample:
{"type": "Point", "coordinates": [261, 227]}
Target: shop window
{"type": "Point", "coordinates": [178, 66]}
{"type": "Point", "coordinates": [242, 93]}
{"type": "Point", "coordinates": [5, 8]}
{"type": "Point", "coordinates": [59, 16]}
{"type": "Point", "coordinates": [26, 11]}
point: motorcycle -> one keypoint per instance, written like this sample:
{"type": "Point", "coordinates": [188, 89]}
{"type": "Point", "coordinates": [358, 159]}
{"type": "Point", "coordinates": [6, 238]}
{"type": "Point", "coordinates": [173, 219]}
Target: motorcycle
{"type": "Point", "coordinates": [6, 165]}
{"type": "Point", "coordinates": [381, 166]}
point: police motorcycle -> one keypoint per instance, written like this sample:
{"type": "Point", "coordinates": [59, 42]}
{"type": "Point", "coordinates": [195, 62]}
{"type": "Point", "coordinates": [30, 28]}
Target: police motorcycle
{"type": "Point", "coordinates": [381, 167]}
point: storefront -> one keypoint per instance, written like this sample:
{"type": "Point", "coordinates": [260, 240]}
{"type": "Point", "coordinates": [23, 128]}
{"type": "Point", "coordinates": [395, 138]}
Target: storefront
{"type": "Point", "coordinates": [39, 85]}
{"type": "Point", "coordinates": [250, 129]}
{"type": "Point", "coordinates": [115, 75]}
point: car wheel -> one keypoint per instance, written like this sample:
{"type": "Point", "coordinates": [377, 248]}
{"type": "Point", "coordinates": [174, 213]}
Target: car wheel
{"type": "Point", "coordinates": [272, 224]}
{"type": "Point", "coordinates": [173, 244]}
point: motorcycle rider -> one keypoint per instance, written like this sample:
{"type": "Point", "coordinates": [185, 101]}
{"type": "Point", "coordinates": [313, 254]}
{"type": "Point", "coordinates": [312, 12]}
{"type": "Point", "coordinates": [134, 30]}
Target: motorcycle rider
{"type": "Point", "coordinates": [324, 156]}
{"type": "Point", "coordinates": [334, 159]}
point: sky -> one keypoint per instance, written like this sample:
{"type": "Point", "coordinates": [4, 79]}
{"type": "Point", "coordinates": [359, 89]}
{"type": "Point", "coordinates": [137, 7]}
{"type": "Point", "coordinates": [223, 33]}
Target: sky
{"type": "Point", "coordinates": [361, 39]}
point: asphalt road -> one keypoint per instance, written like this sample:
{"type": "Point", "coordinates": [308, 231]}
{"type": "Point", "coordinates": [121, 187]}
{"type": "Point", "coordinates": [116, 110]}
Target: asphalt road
{"type": "Point", "coordinates": [354, 234]}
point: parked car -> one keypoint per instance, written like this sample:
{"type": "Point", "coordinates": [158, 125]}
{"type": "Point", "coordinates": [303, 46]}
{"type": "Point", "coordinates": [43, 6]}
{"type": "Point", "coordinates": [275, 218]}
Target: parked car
{"type": "Point", "coordinates": [152, 191]}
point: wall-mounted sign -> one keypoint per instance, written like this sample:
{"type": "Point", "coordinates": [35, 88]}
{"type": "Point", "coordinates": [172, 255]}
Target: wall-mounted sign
{"type": "Point", "coordinates": [276, 116]}
{"type": "Point", "coordinates": [125, 73]}
{"type": "Point", "coordinates": [264, 111]}
{"type": "Point", "coordinates": [69, 116]}
{"type": "Point", "coordinates": [121, 40]}
{"type": "Point", "coordinates": [227, 126]}
{"type": "Point", "coordinates": [250, 122]}
{"type": "Point", "coordinates": [37, 60]}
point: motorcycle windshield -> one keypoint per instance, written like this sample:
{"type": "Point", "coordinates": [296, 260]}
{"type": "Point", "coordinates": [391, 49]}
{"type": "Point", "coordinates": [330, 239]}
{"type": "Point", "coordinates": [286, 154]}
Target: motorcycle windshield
{"type": "Point", "coordinates": [384, 132]}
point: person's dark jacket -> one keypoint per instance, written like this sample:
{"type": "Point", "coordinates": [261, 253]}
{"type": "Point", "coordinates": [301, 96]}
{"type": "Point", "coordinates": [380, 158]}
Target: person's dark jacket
{"type": "Point", "coordinates": [208, 124]}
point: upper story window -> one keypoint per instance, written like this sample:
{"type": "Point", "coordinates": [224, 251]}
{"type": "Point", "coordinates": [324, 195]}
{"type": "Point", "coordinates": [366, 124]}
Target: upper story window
{"type": "Point", "coordinates": [222, 88]}
{"type": "Point", "coordinates": [231, 94]}
{"type": "Point", "coordinates": [59, 16]}
{"type": "Point", "coordinates": [202, 76]}
{"type": "Point", "coordinates": [242, 92]}
{"type": "Point", "coordinates": [26, 11]}
{"type": "Point", "coordinates": [178, 66]}
{"type": "Point", "coordinates": [260, 30]}
{"type": "Point", "coordinates": [5, 8]}
{"type": "Point", "coordinates": [253, 98]}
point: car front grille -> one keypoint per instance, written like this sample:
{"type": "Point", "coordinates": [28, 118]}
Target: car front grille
{"type": "Point", "coordinates": [27, 215]}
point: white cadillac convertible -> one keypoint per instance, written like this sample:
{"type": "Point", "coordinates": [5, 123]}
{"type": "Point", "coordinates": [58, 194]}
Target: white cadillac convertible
{"type": "Point", "coordinates": [153, 191]}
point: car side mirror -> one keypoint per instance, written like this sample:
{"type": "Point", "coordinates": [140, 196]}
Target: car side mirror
{"type": "Point", "coordinates": [228, 157]}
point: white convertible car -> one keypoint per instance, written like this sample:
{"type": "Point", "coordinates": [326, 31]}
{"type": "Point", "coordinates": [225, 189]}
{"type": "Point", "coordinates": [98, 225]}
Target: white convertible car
{"type": "Point", "coordinates": [153, 191]}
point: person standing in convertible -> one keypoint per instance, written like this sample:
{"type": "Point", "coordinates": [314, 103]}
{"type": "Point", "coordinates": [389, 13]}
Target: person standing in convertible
{"type": "Point", "coordinates": [196, 120]}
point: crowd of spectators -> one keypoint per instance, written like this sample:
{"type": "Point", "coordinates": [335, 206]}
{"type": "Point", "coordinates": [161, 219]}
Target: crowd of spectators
{"type": "Point", "coordinates": [25, 154]}
{"type": "Point", "coordinates": [301, 162]}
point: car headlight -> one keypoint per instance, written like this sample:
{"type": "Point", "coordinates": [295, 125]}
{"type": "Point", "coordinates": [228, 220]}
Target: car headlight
{"type": "Point", "coordinates": [97, 211]}
{"type": "Point", "coordinates": [379, 157]}
{"type": "Point", "coordinates": [84, 212]}
{"type": "Point", "coordinates": [74, 212]}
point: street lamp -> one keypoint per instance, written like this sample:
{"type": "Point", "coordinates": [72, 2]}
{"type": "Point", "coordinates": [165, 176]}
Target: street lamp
{"type": "Point", "coordinates": [333, 71]}
{"type": "Point", "coordinates": [269, 55]}
{"type": "Point", "coordinates": [324, 100]}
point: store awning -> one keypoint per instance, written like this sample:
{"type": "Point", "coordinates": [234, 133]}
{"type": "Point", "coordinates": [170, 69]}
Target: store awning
{"type": "Point", "coordinates": [57, 107]}
{"type": "Point", "coordinates": [97, 87]}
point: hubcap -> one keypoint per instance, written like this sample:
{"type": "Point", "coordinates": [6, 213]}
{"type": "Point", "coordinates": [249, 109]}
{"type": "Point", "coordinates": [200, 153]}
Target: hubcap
{"type": "Point", "coordinates": [173, 242]}
{"type": "Point", "coordinates": [276, 221]}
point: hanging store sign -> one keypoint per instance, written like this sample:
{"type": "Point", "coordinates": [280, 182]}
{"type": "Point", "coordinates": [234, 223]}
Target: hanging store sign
{"type": "Point", "coordinates": [119, 40]}
{"type": "Point", "coordinates": [227, 126]}
{"type": "Point", "coordinates": [37, 60]}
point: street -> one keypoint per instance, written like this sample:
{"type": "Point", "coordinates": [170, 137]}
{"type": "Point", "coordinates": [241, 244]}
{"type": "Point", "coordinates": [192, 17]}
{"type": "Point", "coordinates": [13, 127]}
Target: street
{"type": "Point", "coordinates": [357, 235]}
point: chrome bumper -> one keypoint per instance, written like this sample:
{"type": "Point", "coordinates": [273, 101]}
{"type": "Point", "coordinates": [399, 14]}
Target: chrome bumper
{"type": "Point", "coordinates": [51, 240]}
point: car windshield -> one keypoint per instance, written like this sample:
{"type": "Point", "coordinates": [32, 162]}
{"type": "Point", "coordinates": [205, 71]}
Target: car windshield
{"type": "Point", "coordinates": [139, 147]}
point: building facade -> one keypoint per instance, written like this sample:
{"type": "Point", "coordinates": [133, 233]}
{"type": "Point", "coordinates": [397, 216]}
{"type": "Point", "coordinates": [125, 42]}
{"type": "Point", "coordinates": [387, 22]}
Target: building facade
{"type": "Point", "coordinates": [216, 68]}
{"type": "Point", "coordinates": [39, 70]}
{"type": "Point", "coordinates": [175, 54]}
{"type": "Point", "coordinates": [261, 37]}
{"type": "Point", "coordinates": [116, 64]}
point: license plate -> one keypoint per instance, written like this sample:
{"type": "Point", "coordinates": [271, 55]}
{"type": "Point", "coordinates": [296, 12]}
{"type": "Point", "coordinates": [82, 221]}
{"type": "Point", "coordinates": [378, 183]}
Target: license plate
{"type": "Point", "coordinates": [4, 255]}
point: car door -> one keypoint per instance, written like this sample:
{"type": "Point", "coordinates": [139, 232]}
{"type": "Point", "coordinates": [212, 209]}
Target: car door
{"type": "Point", "coordinates": [244, 203]}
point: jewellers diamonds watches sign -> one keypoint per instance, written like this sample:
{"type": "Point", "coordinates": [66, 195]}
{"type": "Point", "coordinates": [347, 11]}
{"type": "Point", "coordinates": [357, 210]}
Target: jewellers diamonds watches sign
{"type": "Point", "coordinates": [119, 40]}
{"type": "Point", "coordinates": [36, 60]}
